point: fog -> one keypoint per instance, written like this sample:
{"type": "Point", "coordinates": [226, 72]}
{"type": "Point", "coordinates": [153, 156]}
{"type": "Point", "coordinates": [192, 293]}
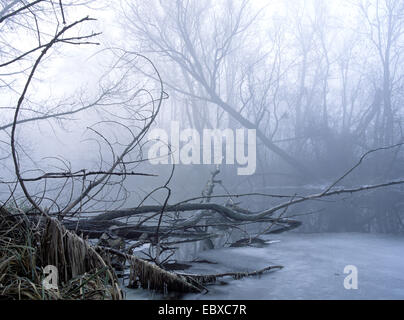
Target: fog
{"type": "Point", "coordinates": [306, 94]}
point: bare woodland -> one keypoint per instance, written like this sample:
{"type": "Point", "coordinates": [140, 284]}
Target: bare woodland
{"type": "Point", "coordinates": [323, 93]}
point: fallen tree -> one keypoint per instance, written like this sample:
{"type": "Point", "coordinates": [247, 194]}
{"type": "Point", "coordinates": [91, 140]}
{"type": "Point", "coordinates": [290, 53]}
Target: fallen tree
{"type": "Point", "coordinates": [207, 219]}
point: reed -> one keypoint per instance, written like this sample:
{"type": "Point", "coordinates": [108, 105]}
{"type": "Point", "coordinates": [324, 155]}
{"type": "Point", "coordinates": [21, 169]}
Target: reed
{"type": "Point", "coordinates": [26, 248]}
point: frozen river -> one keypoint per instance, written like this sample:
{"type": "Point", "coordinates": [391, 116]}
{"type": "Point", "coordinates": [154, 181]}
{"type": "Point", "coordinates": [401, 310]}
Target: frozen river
{"type": "Point", "coordinates": [314, 268]}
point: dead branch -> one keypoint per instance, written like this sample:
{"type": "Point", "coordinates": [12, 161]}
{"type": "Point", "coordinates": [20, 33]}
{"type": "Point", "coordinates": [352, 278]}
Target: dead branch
{"type": "Point", "coordinates": [20, 101]}
{"type": "Point", "coordinates": [236, 215]}
{"type": "Point", "coordinates": [19, 10]}
{"type": "Point", "coordinates": [212, 278]}
{"type": "Point", "coordinates": [64, 175]}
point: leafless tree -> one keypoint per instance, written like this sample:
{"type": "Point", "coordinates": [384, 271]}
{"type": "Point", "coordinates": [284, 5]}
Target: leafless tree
{"type": "Point", "coordinates": [201, 45]}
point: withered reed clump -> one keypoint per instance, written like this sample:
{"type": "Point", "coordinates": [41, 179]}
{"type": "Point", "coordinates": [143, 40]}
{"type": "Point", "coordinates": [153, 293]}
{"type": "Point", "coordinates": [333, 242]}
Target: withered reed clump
{"type": "Point", "coordinates": [26, 249]}
{"type": "Point", "coordinates": [20, 276]}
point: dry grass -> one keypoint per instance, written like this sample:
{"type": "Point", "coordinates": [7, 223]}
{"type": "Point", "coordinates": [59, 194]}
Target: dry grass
{"type": "Point", "coordinates": [25, 250]}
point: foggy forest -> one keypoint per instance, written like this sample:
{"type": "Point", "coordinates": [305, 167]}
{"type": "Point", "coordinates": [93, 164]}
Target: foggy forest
{"type": "Point", "coordinates": [184, 149]}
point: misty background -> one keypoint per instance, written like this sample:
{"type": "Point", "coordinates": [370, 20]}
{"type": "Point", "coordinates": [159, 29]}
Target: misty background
{"type": "Point", "coordinates": [320, 81]}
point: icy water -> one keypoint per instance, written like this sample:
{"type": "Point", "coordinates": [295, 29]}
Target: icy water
{"type": "Point", "coordinates": [314, 268]}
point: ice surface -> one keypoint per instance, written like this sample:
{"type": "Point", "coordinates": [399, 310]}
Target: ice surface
{"type": "Point", "coordinates": [314, 268]}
